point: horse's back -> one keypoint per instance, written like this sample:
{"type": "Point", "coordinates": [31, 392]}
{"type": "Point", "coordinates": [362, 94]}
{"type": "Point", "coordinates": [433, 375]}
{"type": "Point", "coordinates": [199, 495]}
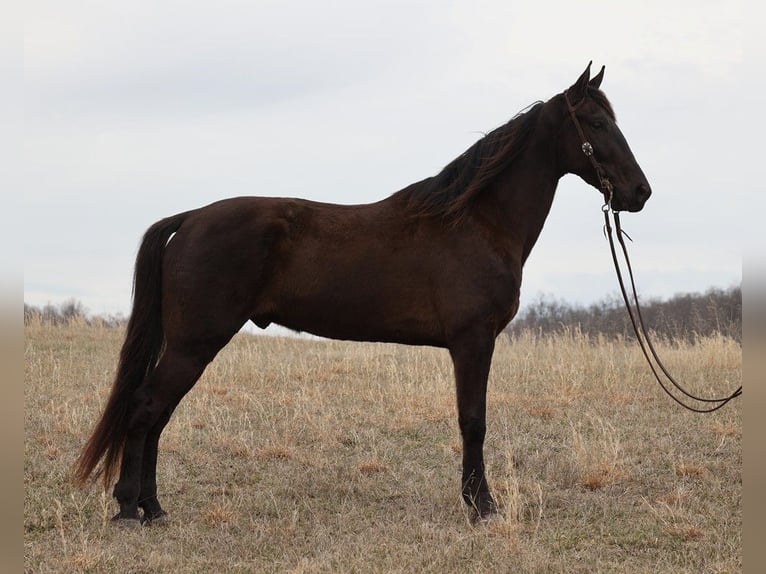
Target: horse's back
{"type": "Point", "coordinates": [337, 270]}
{"type": "Point", "coordinates": [362, 272]}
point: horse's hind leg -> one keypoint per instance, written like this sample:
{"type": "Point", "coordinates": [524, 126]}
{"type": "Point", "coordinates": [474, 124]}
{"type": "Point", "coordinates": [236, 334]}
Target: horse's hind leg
{"type": "Point", "coordinates": [153, 403]}
{"type": "Point", "coordinates": [147, 497]}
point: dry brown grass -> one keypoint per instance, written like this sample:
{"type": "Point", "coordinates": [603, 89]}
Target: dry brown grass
{"type": "Point", "coordinates": [319, 456]}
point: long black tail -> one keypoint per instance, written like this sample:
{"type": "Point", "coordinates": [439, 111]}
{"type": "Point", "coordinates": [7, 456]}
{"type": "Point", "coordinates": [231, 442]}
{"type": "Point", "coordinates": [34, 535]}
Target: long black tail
{"type": "Point", "coordinates": [139, 355]}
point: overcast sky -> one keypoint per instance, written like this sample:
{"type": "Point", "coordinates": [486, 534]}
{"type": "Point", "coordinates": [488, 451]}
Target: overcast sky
{"type": "Point", "coordinates": [138, 110]}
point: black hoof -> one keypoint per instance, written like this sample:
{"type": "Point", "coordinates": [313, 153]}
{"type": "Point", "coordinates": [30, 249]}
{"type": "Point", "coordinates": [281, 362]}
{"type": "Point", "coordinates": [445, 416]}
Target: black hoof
{"type": "Point", "coordinates": [487, 517]}
{"type": "Point", "coordinates": [483, 507]}
{"type": "Point", "coordinates": [155, 518]}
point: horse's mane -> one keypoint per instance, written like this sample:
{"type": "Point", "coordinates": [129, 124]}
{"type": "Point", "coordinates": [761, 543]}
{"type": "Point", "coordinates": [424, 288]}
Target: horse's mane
{"type": "Point", "coordinates": [450, 192]}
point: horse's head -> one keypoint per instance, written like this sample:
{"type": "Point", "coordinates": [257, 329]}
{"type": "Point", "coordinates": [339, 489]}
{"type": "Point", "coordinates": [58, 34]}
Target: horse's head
{"type": "Point", "coordinates": [592, 146]}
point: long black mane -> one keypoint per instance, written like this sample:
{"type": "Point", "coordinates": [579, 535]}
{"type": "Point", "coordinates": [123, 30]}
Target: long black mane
{"type": "Point", "coordinates": [449, 193]}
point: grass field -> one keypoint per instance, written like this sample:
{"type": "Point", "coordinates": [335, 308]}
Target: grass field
{"type": "Point", "coordinates": [295, 455]}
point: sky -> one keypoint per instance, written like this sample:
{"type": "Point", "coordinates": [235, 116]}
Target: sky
{"type": "Point", "coordinates": [137, 110]}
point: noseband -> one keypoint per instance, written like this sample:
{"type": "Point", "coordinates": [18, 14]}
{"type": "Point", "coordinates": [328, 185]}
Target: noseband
{"type": "Point", "coordinates": [606, 186]}
{"type": "Point", "coordinates": [636, 319]}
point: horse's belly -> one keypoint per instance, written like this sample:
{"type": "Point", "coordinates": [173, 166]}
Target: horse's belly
{"type": "Point", "coordinates": [362, 312]}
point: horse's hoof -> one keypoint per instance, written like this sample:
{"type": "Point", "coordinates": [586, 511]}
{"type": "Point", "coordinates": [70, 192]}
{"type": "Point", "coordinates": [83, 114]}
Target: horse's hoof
{"type": "Point", "coordinates": [483, 510]}
{"type": "Point", "coordinates": [158, 519]}
{"type": "Point", "coordinates": [487, 518]}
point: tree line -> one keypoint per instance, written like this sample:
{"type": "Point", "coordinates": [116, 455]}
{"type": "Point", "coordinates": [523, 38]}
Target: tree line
{"type": "Point", "coordinates": [685, 316]}
{"type": "Point", "coordinates": [67, 313]}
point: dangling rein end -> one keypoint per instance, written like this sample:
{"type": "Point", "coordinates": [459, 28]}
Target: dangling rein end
{"type": "Point", "coordinates": [635, 316]}
{"type": "Point", "coordinates": [637, 320]}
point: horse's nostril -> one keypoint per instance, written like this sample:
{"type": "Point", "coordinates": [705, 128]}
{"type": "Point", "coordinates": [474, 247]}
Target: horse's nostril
{"type": "Point", "coordinates": [643, 192]}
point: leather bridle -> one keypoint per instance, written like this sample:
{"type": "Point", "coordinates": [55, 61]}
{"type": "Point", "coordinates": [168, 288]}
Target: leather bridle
{"type": "Point", "coordinates": [636, 319]}
{"type": "Point", "coordinates": [606, 186]}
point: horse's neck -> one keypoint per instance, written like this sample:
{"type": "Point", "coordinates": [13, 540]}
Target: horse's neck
{"type": "Point", "coordinates": [521, 199]}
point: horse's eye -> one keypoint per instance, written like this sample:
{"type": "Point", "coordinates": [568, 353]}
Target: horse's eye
{"type": "Point", "coordinates": [597, 124]}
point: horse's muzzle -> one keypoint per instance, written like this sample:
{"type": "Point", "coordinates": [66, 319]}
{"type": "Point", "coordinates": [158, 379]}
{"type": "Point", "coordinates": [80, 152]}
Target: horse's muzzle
{"type": "Point", "coordinates": [634, 201]}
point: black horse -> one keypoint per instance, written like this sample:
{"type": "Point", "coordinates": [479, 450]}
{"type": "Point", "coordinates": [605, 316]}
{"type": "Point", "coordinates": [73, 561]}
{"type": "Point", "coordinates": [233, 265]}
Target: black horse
{"type": "Point", "coordinates": [436, 263]}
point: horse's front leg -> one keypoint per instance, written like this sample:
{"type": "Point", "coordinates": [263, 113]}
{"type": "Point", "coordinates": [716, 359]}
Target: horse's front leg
{"type": "Point", "coordinates": [472, 357]}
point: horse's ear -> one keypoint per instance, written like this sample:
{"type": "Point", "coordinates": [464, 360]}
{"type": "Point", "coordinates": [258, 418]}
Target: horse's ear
{"type": "Point", "coordinates": [577, 91]}
{"type": "Point", "coordinates": [596, 80]}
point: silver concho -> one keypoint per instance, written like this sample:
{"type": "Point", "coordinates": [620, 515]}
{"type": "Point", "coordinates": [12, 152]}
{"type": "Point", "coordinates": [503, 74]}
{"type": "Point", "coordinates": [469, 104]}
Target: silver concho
{"type": "Point", "coordinates": [587, 149]}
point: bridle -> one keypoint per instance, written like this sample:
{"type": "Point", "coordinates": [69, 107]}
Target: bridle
{"type": "Point", "coordinates": [587, 149]}
{"type": "Point", "coordinates": [636, 318]}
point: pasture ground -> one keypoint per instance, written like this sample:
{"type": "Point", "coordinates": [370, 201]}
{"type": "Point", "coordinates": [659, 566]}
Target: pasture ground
{"type": "Point", "coordinates": [295, 455]}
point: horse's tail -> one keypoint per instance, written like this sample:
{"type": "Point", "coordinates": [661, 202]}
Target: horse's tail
{"type": "Point", "coordinates": [140, 352]}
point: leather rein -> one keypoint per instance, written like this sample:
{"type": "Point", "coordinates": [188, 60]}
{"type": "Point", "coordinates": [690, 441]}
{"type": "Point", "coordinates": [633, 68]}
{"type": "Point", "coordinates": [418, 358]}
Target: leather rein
{"type": "Point", "coordinates": [636, 319]}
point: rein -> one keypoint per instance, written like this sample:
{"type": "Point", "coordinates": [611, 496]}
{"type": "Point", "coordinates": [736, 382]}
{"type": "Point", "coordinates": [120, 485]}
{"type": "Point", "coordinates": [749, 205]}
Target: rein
{"type": "Point", "coordinates": [636, 319]}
